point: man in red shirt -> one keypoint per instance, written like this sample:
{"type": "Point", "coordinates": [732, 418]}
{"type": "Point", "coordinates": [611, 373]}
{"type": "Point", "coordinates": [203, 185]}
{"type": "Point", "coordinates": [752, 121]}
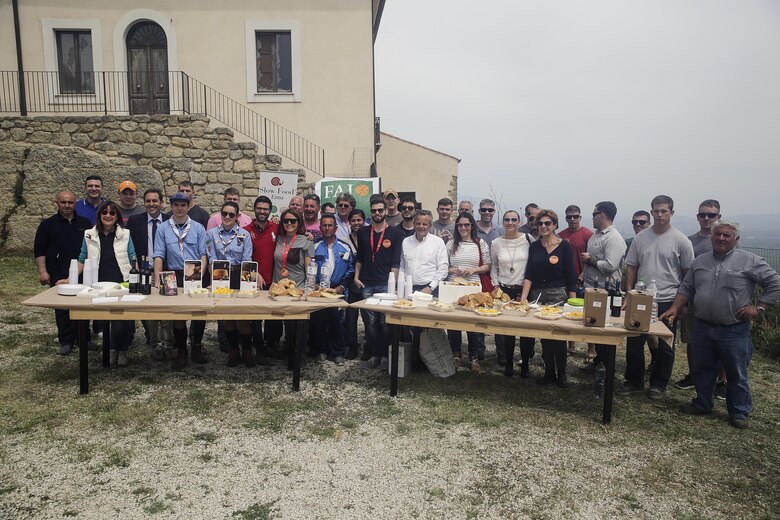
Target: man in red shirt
{"type": "Point", "coordinates": [577, 236]}
{"type": "Point", "coordinates": [262, 231]}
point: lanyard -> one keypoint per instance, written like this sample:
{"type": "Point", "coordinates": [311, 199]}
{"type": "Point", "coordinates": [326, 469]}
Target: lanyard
{"type": "Point", "coordinates": [374, 251]}
{"type": "Point", "coordinates": [285, 252]}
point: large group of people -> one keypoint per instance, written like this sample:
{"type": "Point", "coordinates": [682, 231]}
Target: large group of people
{"type": "Point", "coordinates": [704, 279]}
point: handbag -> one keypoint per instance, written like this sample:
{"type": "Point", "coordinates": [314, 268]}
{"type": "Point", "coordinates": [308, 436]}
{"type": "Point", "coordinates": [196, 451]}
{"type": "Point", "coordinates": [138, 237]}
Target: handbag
{"type": "Point", "coordinates": [484, 278]}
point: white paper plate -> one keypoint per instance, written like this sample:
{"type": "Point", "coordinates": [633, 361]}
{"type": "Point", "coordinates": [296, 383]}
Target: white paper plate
{"type": "Point", "coordinates": [284, 298]}
{"type": "Point", "coordinates": [385, 296]}
{"type": "Point", "coordinates": [105, 286]}
{"type": "Point", "coordinates": [70, 289]}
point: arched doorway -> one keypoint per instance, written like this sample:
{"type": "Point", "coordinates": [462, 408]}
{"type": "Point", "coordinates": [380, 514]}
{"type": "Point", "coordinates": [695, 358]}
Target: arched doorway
{"type": "Point", "coordinates": [147, 69]}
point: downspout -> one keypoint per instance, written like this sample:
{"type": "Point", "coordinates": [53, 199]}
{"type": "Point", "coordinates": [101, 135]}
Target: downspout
{"type": "Point", "coordinates": [374, 32]}
{"type": "Point", "coordinates": [20, 66]}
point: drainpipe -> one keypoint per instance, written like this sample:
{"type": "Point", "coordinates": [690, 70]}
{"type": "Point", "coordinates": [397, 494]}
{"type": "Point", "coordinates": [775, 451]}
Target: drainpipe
{"type": "Point", "coordinates": [374, 32]}
{"type": "Point", "coordinates": [20, 66]}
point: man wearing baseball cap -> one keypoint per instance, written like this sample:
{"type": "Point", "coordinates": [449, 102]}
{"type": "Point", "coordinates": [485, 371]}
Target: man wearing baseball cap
{"type": "Point", "coordinates": [128, 195]}
{"type": "Point", "coordinates": [394, 216]}
{"type": "Point", "coordinates": [178, 239]}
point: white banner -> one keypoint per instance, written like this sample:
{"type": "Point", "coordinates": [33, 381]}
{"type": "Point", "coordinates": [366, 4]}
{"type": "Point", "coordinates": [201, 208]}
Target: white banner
{"type": "Point", "coordinates": [279, 187]}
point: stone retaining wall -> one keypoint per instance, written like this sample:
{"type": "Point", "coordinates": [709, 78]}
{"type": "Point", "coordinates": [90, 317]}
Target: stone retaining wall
{"type": "Point", "coordinates": [40, 156]}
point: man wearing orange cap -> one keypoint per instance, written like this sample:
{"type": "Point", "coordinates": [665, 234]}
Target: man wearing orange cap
{"type": "Point", "coordinates": [128, 195]}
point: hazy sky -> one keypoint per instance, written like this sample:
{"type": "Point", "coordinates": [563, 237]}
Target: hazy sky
{"type": "Point", "coordinates": [564, 102]}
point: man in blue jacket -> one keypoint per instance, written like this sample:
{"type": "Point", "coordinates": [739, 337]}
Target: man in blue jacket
{"type": "Point", "coordinates": [335, 270]}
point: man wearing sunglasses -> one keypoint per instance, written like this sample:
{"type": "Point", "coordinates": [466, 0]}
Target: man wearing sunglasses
{"type": "Point", "coordinates": [530, 220]}
{"type": "Point", "coordinates": [230, 195]}
{"type": "Point", "coordinates": [709, 212]}
{"type": "Point", "coordinates": [640, 221]}
{"type": "Point", "coordinates": [345, 203]}
{"type": "Point", "coordinates": [485, 229]}
{"type": "Point", "coordinates": [378, 254]}
{"type": "Point", "coordinates": [664, 254]}
{"type": "Point", "coordinates": [576, 235]}
{"type": "Point", "coordinates": [408, 212]}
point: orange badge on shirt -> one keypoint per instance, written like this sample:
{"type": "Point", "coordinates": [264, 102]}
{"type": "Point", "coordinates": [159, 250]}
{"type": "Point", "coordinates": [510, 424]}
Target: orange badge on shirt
{"type": "Point", "coordinates": [386, 244]}
{"type": "Point", "coordinates": [553, 259]}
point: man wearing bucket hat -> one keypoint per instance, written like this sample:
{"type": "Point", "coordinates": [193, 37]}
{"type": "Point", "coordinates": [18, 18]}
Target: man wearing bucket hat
{"type": "Point", "coordinates": [180, 238]}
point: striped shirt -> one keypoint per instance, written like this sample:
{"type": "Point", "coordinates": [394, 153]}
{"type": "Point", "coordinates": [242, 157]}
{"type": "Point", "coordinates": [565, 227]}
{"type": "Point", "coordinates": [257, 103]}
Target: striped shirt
{"type": "Point", "coordinates": [467, 257]}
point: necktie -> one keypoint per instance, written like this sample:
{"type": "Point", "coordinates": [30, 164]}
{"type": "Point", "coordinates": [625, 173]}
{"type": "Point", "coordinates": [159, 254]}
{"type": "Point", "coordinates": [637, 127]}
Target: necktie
{"type": "Point", "coordinates": [154, 229]}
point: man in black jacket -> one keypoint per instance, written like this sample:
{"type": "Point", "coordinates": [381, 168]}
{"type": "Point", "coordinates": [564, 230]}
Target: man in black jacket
{"type": "Point", "coordinates": [143, 229]}
{"type": "Point", "coordinates": [57, 242]}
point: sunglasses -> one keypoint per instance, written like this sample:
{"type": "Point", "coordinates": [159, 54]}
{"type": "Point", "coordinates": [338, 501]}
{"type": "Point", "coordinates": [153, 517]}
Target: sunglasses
{"type": "Point", "coordinates": [290, 221]}
{"type": "Point", "coordinates": [466, 225]}
{"type": "Point", "coordinates": [707, 215]}
{"type": "Point", "coordinates": [486, 210]}
{"type": "Point", "coordinates": [640, 222]}
{"type": "Point", "coordinates": [107, 212]}
{"type": "Point", "coordinates": [345, 205]}
{"type": "Point", "coordinates": [377, 210]}
{"type": "Point", "coordinates": [407, 208]}
{"type": "Point", "coordinates": [228, 214]}
{"type": "Point", "coordinates": [572, 217]}
{"type": "Point", "coordinates": [544, 223]}
{"type": "Point", "coordinates": [511, 219]}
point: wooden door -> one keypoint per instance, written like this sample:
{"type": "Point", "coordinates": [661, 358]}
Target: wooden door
{"type": "Point", "coordinates": [147, 69]}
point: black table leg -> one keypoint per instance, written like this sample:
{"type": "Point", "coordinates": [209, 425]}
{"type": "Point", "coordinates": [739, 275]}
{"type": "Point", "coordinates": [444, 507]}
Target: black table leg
{"type": "Point", "coordinates": [300, 327]}
{"type": "Point", "coordinates": [83, 326]}
{"type": "Point", "coordinates": [106, 343]}
{"type": "Point", "coordinates": [394, 360]}
{"type": "Point", "coordinates": [289, 334]}
{"type": "Point", "coordinates": [609, 383]}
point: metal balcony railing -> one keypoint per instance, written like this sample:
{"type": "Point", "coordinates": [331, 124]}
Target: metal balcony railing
{"type": "Point", "coordinates": [132, 93]}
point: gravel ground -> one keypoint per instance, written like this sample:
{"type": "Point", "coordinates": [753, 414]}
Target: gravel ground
{"type": "Point", "coordinates": [214, 442]}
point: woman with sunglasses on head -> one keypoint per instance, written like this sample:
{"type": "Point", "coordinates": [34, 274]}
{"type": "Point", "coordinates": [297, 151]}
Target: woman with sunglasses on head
{"type": "Point", "coordinates": [469, 257]}
{"type": "Point", "coordinates": [551, 277]}
{"type": "Point", "coordinates": [508, 258]}
{"type": "Point", "coordinates": [228, 241]}
{"type": "Point", "coordinates": [110, 244]}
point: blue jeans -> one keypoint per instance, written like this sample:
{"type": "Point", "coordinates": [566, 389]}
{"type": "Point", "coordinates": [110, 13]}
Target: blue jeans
{"type": "Point", "coordinates": [377, 330]}
{"type": "Point", "coordinates": [476, 342]}
{"type": "Point", "coordinates": [728, 346]}
{"type": "Point", "coordinates": [664, 358]}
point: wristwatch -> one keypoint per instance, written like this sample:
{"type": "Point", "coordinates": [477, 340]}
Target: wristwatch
{"type": "Point", "coordinates": [760, 309]}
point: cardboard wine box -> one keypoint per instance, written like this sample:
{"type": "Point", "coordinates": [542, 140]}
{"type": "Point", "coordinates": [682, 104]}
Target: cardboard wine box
{"type": "Point", "coordinates": [404, 359]}
{"type": "Point", "coordinates": [596, 307]}
{"type": "Point", "coordinates": [639, 306]}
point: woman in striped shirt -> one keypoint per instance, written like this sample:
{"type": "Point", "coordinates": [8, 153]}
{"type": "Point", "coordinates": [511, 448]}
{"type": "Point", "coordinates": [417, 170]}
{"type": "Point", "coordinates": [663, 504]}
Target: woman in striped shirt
{"type": "Point", "coordinates": [469, 257]}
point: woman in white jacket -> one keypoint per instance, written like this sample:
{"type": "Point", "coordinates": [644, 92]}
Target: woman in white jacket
{"type": "Point", "coordinates": [110, 244]}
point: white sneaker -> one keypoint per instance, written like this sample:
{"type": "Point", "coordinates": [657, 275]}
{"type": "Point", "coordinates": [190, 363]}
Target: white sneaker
{"type": "Point", "coordinates": [121, 358]}
{"type": "Point", "coordinates": [112, 357]}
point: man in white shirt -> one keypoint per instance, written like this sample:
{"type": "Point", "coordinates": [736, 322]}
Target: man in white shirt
{"type": "Point", "coordinates": [424, 256]}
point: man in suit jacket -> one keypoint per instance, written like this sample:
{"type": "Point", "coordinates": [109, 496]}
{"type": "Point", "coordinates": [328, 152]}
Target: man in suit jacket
{"type": "Point", "coordinates": [143, 228]}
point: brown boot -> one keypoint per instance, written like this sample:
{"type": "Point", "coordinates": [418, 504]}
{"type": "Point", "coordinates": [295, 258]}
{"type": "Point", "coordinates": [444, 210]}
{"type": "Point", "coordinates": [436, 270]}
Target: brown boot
{"type": "Point", "coordinates": [198, 356]}
{"type": "Point", "coordinates": [246, 351]}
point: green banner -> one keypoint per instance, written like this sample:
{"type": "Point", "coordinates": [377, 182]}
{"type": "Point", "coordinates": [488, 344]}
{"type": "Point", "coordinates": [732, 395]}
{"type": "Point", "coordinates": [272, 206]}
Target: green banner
{"type": "Point", "coordinates": [362, 189]}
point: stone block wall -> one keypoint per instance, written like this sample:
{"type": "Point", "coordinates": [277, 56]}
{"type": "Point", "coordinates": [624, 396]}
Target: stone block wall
{"type": "Point", "coordinates": [39, 156]}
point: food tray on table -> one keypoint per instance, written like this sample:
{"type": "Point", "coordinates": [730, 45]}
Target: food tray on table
{"type": "Point", "coordinates": [403, 304]}
{"type": "Point", "coordinates": [198, 292]}
{"type": "Point", "coordinates": [487, 313]}
{"type": "Point", "coordinates": [247, 293]}
{"type": "Point", "coordinates": [285, 298]}
{"type": "Point", "coordinates": [222, 292]}
{"type": "Point", "coordinates": [441, 307]}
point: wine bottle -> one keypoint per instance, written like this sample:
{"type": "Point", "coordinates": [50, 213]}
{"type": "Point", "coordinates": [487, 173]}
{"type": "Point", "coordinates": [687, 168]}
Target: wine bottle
{"type": "Point", "coordinates": [616, 300]}
{"type": "Point", "coordinates": [134, 276]}
{"type": "Point", "coordinates": [146, 287]}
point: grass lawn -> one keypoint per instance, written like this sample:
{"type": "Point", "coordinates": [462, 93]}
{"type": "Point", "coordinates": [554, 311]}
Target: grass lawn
{"type": "Point", "coordinates": [213, 442]}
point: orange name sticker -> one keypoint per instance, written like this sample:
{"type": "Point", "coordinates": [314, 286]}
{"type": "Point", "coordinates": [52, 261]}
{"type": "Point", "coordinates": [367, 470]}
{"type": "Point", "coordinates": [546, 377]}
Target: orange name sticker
{"type": "Point", "coordinates": [386, 244]}
{"type": "Point", "coordinates": [553, 259]}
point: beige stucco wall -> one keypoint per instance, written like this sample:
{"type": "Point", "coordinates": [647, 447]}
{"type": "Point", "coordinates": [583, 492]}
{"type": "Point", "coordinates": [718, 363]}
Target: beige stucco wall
{"type": "Point", "coordinates": [335, 107]}
{"type": "Point", "coordinates": [407, 166]}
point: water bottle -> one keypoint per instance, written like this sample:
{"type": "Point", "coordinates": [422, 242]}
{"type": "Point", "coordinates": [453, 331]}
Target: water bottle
{"type": "Point", "coordinates": [601, 379]}
{"type": "Point", "coordinates": [653, 290]}
{"type": "Point", "coordinates": [311, 278]}
{"type": "Point", "coordinates": [324, 277]}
